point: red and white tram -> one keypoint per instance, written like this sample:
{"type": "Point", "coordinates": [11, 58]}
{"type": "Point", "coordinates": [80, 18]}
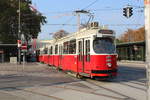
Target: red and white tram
{"type": "Point", "coordinates": [89, 52]}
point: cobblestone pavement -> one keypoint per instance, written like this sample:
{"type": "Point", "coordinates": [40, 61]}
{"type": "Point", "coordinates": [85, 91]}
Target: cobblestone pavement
{"type": "Point", "coordinates": [36, 81]}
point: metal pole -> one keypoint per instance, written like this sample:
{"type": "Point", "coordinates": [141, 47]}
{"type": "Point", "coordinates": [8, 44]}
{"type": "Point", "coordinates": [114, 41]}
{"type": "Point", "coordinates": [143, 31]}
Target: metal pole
{"type": "Point", "coordinates": [78, 21]}
{"type": "Point", "coordinates": [147, 37]}
{"type": "Point", "coordinates": [19, 31]}
{"type": "Point", "coordinates": [78, 12]}
{"type": "Point", "coordinates": [23, 61]}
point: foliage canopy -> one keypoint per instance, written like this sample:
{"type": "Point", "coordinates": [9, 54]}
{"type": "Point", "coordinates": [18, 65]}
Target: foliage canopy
{"type": "Point", "coordinates": [31, 20]}
{"type": "Point", "coordinates": [59, 34]}
{"type": "Point", "coordinates": [132, 35]}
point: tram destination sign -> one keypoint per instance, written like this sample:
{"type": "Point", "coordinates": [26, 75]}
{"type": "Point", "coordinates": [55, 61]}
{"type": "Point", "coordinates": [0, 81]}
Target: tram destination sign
{"type": "Point", "coordinates": [105, 31]}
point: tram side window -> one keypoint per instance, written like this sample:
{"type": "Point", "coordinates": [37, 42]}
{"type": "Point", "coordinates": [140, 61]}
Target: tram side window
{"type": "Point", "coordinates": [56, 49]}
{"type": "Point", "coordinates": [59, 49]}
{"type": "Point", "coordinates": [72, 47]}
{"type": "Point", "coordinates": [87, 50]}
{"type": "Point", "coordinates": [45, 50]}
{"type": "Point", "coordinates": [38, 52]}
{"type": "Point", "coordinates": [41, 52]}
{"type": "Point", "coordinates": [51, 50]}
{"type": "Point", "coordinates": [65, 47]}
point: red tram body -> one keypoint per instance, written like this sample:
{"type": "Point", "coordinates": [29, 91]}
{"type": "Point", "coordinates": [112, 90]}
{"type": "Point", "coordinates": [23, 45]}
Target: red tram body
{"type": "Point", "coordinates": [89, 52]}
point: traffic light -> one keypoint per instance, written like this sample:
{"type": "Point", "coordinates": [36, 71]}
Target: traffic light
{"type": "Point", "coordinates": [125, 12]}
{"type": "Point", "coordinates": [130, 11]}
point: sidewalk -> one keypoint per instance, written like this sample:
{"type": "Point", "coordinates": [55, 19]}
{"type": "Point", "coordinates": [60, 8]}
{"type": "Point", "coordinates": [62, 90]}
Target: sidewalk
{"type": "Point", "coordinates": [139, 64]}
{"type": "Point", "coordinates": [134, 62]}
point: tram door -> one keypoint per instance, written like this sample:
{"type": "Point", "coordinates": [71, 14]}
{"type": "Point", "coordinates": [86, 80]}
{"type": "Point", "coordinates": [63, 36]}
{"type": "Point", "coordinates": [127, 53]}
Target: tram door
{"type": "Point", "coordinates": [84, 55]}
{"type": "Point", "coordinates": [87, 56]}
{"type": "Point", "coordinates": [80, 55]}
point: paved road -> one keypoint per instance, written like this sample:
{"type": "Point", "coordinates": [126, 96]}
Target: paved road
{"type": "Point", "coordinates": [41, 82]}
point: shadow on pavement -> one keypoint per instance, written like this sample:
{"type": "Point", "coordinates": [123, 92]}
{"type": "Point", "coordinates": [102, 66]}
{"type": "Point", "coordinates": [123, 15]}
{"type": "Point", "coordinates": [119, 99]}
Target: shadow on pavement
{"type": "Point", "coordinates": [17, 82]}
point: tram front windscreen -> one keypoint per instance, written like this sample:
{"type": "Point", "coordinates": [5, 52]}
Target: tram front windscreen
{"type": "Point", "coordinates": [104, 45]}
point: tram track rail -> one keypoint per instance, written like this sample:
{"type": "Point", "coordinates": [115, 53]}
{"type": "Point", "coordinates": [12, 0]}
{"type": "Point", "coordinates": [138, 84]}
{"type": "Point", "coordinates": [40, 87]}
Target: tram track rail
{"type": "Point", "coordinates": [42, 94]}
{"type": "Point", "coordinates": [98, 94]}
{"type": "Point", "coordinates": [97, 83]}
{"type": "Point", "coordinates": [94, 82]}
{"type": "Point", "coordinates": [33, 92]}
{"type": "Point", "coordinates": [65, 88]}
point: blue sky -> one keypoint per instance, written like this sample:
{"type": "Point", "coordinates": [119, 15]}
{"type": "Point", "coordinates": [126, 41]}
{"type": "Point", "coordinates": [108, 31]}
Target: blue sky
{"type": "Point", "coordinates": [108, 12]}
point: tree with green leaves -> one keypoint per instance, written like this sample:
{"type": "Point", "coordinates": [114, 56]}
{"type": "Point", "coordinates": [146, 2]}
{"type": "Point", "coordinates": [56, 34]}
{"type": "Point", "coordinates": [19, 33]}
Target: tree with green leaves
{"type": "Point", "coordinates": [31, 20]}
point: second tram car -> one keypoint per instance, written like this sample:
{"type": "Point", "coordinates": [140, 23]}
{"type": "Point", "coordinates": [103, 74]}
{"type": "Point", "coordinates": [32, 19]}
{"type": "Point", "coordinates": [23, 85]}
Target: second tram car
{"type": "Point", "coordinates": [89, 52]}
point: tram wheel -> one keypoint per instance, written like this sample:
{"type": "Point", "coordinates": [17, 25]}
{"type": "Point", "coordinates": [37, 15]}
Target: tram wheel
{"type": "Point", "coordinates": [79, 76]}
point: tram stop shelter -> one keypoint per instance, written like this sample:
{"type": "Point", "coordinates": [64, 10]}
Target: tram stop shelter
{"type": "Point", "coordinates": [131, 51]}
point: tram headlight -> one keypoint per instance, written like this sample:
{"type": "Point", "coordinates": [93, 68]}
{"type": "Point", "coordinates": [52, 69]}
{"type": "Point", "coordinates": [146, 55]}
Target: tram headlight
{"type": "Point", "coordinates": [108, 60]}
{"type": "Point", "coordinates": [109, 64]}
{"type": "Point", "coordinates": [108, 57]}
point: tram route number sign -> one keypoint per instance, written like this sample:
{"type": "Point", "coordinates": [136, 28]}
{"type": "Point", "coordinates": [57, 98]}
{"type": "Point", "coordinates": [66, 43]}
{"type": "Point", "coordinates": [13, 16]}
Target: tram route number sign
{"type": "Point", "coordinates": [106, 31]}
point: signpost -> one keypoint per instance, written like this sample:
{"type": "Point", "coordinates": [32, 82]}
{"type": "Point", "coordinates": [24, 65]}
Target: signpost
{"type": "Point", "coordinates": [23, 48]}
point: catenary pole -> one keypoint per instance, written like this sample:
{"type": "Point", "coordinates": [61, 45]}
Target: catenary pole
{"type": "Point", "coordinates": [78, 21]}
{"type": "Point", "coordinates": [78, 12]}
{"type": "Point", "coordinates": [19, 31]}
{"type": "Point", "coordinates": [147, 37]}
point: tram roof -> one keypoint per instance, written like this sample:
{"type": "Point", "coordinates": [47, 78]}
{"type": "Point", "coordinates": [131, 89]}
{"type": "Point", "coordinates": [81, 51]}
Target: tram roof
{"type": "Point", "coordinates": [83, 33]}
{"type": "Point", "coordinates": [86, 32]}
